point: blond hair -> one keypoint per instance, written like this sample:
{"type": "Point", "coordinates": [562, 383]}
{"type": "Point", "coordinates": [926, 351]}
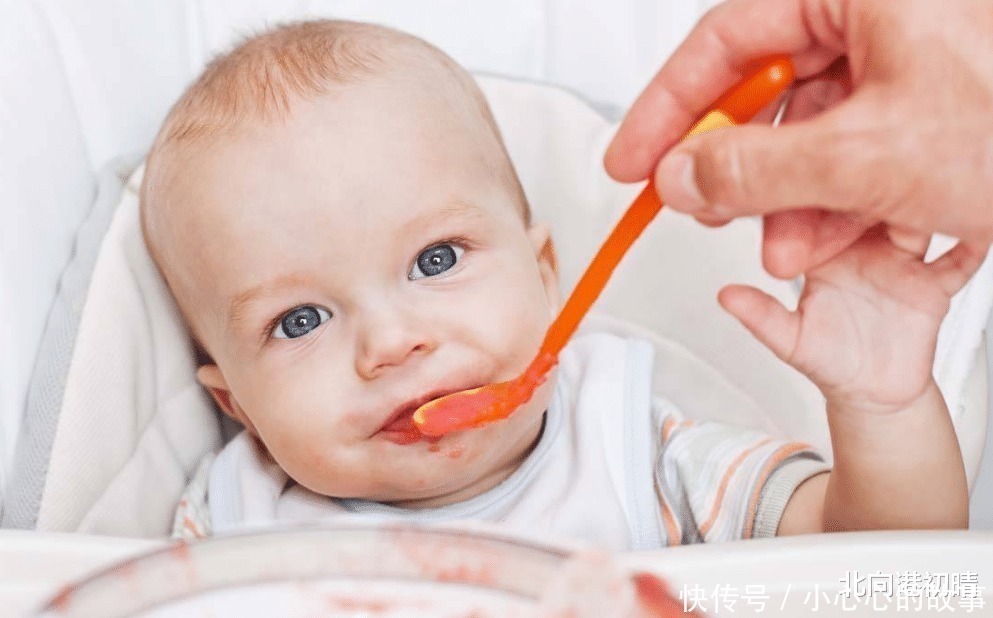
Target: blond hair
{"type": "Point", "coordinates": [258, 81]}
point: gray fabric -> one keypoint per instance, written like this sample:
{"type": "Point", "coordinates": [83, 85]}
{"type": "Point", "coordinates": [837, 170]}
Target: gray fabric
{"type": "Point", "coordinates": [34, 446]}
{"type": "Point", "coordinates": [779, 489]}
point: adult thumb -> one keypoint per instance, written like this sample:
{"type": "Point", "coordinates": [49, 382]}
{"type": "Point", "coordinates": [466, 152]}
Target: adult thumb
{"type": "Point", "coordinates": [753, 169]}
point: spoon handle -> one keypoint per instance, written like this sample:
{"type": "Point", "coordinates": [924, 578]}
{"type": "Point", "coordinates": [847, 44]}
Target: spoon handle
{"type": "Point", "coordinates": [738, 105]}
{"type": "Point", "coordinates": [628, 229]}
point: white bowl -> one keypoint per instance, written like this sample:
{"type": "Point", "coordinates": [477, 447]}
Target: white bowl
{"type": "Point", "coordinates": [356, 570]}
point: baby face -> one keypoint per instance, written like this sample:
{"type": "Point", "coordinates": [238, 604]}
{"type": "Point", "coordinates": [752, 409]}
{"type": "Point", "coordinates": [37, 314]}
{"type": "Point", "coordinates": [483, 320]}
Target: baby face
{"type": "Point", "coordinates": [352, 263]}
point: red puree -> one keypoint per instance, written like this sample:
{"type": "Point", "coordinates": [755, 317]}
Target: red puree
{"type": "Point", "coordinates": [455, 452]}
{"type": "Point", "coordinates": [655, 599]}
{"type": "Point", "coordinates": [336, 604]}
{"type": "Point", "coordinates": [447, 559]}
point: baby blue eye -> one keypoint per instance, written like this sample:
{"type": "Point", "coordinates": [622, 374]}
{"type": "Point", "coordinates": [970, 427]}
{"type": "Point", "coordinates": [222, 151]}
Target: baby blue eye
{"type": "Point", "coordinates": [301, 321]}
{"type": "Point", "coordinates": [435, 260]}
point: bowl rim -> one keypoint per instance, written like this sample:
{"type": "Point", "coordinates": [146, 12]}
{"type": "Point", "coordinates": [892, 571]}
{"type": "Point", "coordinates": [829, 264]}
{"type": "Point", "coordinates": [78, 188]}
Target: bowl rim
{"type": "Point", "coordinates": [490, 534]}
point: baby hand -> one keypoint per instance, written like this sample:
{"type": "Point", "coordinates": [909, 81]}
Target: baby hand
{"type": "Point", "coordinates": [866, 326]}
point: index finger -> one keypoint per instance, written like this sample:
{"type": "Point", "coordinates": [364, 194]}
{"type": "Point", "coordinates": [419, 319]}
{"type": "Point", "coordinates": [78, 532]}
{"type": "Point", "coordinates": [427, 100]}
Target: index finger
{"type": "Point", "coordinates": [716, 55]}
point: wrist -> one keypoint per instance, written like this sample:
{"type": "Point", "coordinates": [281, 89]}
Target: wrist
{"type": "Point", "coordinates": [881, 454]}
{"type": "Point", "coordinates": [867, 428]}
{"type": "Point", "coordinates": [880, 431]}
{"type": "Point", "coordinates": [865, 406]}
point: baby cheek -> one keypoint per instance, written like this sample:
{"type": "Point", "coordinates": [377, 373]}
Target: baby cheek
{"type": "Point", "coordinates": [349, 425]}
{"type": "Point", "coordinates": [311, 403]}
{"type": "Point", "coordinates": [301, 433]}
{"type": "Point", "coordinates": [518, 323]}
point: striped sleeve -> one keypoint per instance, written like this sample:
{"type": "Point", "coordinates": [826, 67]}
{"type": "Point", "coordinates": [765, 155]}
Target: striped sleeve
{"type": "Point", "coordinates": [716, 482]}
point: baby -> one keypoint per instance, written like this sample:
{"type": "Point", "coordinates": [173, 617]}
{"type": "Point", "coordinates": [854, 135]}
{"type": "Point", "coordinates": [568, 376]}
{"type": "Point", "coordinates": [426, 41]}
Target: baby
{"type": "Point", "coordinates": [334, 211]}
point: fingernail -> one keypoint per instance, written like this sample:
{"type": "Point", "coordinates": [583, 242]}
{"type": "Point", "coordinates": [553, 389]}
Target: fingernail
{"type": "Point", "coordinates": [676, 180]}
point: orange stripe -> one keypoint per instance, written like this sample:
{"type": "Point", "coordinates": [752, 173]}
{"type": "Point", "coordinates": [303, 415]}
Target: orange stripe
{"type": "Point", "coordinates": [667, 427]}
{"type": "Point", "coordinates": [777, 458]}
{"type": "Point", "coordinates": [722, 488]}
{"type": "Point", "coordinates": [191, 525]}
{"type": "Point", "coordinates": [673, 530]}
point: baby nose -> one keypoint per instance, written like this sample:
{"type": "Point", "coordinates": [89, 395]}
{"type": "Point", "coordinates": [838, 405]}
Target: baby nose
{"type": "Point", "coordinates": [388, 341]}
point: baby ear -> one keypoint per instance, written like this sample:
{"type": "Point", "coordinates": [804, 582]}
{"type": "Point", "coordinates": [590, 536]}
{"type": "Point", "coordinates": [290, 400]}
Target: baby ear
{"type": "Point", "coordinates": [212, 379]}
{"type": "Point", "coordinates": [540, 235]}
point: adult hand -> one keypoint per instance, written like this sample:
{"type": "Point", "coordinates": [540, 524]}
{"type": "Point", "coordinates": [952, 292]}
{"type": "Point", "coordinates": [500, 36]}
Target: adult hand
{"type": "Point", "coordinates": [892, 122]}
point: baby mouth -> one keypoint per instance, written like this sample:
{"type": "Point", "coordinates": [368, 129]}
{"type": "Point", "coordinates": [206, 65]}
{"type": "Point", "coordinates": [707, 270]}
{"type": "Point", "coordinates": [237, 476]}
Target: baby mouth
{"type": "Point", "coordinates": [399, 428]}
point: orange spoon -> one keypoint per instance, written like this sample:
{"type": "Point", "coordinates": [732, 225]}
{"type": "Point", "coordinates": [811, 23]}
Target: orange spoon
{"type": "Point", "coordinates": [476, 407]}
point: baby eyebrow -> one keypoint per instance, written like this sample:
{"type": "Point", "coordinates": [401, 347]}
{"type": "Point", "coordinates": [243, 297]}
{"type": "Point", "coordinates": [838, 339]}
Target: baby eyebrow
{"type": "Point", "coordinates": [240, 305]}
{"type": "Point", "coordinates": [449, 210]}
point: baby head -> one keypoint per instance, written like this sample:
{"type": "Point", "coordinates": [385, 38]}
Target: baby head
{"type": "Point", "coordinates": [335, 213]}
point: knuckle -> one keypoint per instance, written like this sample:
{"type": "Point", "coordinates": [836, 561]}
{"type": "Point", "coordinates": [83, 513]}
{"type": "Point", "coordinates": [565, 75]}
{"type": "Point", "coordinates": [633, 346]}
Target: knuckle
{"type": "Point", "coordinates": [724, 173]}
